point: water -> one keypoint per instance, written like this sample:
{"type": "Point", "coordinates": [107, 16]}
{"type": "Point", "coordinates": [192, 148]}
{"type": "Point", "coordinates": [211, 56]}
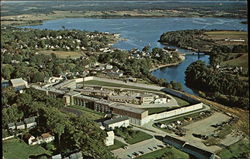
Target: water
{"type": "Point", "coordinates": [146, 31]}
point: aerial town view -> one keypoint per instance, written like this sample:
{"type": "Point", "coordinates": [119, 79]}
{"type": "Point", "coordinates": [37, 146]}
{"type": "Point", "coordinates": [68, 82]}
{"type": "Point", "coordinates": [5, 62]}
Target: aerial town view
{"type": "Point", "coordinates": [123, 79]}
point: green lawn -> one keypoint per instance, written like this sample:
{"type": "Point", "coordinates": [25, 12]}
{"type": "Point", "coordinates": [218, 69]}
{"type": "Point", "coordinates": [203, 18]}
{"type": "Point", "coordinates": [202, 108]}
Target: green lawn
{"type": "Point", "coordinates": [177, 154]}
{"type": "Point", "coordinates": [101, 83]}
{"type": "Point", "coordinates": [138, 137]}
{"type": "Point", "coordinates": [117, 145]}
{"type": "Point", "coordinates": [236, 150]}
{"type": "Point", "coordinates": [18, 149]}
{"type": "Point", "coordinates": [181, 102]}
{"type": "Point", "coordinates": [94, 115]}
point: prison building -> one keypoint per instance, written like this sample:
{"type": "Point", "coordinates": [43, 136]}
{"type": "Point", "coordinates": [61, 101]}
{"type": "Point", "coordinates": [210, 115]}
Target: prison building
{"type": "Point", "coordinates": [124, 99]}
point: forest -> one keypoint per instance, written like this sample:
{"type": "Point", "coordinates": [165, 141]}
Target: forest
{"type": "Point", "coordinates": [223, 87]}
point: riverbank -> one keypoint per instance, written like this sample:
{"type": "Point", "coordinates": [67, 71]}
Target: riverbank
{"type": "Point", "coordinates": [182, 57]}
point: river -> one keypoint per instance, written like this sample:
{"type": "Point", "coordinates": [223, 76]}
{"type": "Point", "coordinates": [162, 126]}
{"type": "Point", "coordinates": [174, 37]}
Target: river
{"type": "Point", "coordinates": [140, 32]}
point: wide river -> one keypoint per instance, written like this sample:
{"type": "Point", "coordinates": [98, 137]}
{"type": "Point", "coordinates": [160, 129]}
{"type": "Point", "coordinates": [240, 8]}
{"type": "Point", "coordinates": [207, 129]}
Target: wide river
{"type": "Point", "coordinates": [147, 31]}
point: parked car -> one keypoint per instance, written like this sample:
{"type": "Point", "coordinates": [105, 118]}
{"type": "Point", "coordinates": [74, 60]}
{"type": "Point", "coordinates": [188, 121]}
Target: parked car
{"type": "Point", "coordinates": [141, 152]}
{"type": "Point", "coordinates": [161, 146]}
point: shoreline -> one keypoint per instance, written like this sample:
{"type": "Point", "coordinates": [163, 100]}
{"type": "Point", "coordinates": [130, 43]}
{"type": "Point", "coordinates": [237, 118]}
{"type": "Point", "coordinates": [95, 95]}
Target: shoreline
{"type": "Point", "coordinates": [182, 57]}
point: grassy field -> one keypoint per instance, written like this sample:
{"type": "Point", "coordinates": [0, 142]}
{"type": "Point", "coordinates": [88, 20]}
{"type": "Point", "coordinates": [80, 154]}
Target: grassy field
{"type": "Point", "coordinates": [63, 54]}
{"type": "Point", "coordinates": [222, 35]}
{"type": "Point", "coordinates": [95, 82]}
{"type": "Point", "coordinates": [93, 115]}
{"type": "Point", "coordinates": [238, 61]}
{"type": "Point", "coordinates": [236, 150]}
{"type": "Point", "coordinates": [158, 153]}
{"type": "Point", "coordinates": [140, 136]}
{"type": "Point", "coordinates": [181, 102]}
{"type": "Point", "coordinates": [158, 110]}
{"type": "Point", "coordinates": [17, 149]}
{"type": "Point", "coordinates": [117, 145]}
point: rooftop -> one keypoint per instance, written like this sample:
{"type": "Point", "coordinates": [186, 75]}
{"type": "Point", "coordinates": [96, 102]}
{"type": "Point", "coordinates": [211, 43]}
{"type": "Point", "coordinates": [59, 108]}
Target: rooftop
{"type": "Point", "coordinates": [128, 108]}
{"type": "Point", "coordinates": [116, 120]}
{"type": "Point", "coordinates": [30, 120]}
{"type": "Point", "coordinates": [19, 123]}
{"type": "Point", "coordinates": [46, 135]}
{"type": "Point", "coordinates": [58, 156]}
{"type": "Point", "coordinates": [77, 155]}
{"type": "Point", "coordinates": [18, 82]}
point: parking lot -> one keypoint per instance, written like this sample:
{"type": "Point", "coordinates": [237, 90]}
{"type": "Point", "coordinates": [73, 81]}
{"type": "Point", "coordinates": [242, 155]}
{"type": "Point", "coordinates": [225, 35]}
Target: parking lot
{"type": "Point", "coordinates": [204, 127]}
{"type": "Point", "coordinates": [138, 149]}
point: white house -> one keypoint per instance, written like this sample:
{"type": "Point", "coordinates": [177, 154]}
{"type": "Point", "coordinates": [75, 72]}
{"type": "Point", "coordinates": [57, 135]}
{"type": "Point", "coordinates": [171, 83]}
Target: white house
{"type": "Point", "coordinates": [47, 137]}
{"type": "Point", "coordinates": [29, 138]}
{"type": "Point", "coordinates": [110, 138]}
{"type": "Point", "coordinates": [117, 122]}
{"type": "Point", "coordinates": [30, 122]}
{"type": "Point", "coordinates": [11, 126]}
{"type": "Point", "coordinates": [109, 67]}
{"type": "Point", "coordinates": [58, 156]}
{"type": "Point", "coordinates": [20, 125]}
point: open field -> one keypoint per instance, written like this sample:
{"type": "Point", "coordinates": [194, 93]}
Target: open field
{"type": "Point", "coordinates": [242, 61]}
{"type": "Point", "coordinates": [235, 150]}
{"type": "Point", "coordinates": [139, 136]}
{"type": "Point", "coordinates": [62, 54]}
{"type": "Point", "coordinates": [220, 36]}
{"type": "Point", "coordinates": [101, 83]}
{"type": "Point", "coordinates": [177, 154]}
{"type": "Point", "coordinates": [117, 145]}
{"type": "Point", "coordinates": [181, 102]}
{"type": "Point", "coordinates": [17, 149]}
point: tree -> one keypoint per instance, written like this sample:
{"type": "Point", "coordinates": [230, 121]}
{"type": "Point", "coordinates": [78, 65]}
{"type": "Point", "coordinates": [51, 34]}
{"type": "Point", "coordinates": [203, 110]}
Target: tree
{"type": "Point", "coordinates": [146, 48]}
{"type": "Point", "coordinates": [38, 77]}
{"type": "Point", "coordinates": [7, 70]}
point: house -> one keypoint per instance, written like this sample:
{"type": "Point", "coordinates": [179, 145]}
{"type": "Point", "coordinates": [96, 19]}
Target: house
{"type": "Point", "coordinates": [11, 126]}
{"type": "Point", "coordinates": [109, 67]}
{"type": "Point", "coordinates": [58, 156]}
{"type": "Point", "coordinates": [110, 138]}
{"type": "Point", "coordinates": [29, 138]}
{"type": "Point", "coordinates": [77, 155]}
{"type": "Point", "coordinates": [19, 83]}
{"type": "Point", "coordinates": [20, 125]}
{"type": "Point", "coordinates": [30, 122]}
{"type": "Point", "coordinates": [117, 122]}
{"type": "Point", "coordinates": [47, 137]}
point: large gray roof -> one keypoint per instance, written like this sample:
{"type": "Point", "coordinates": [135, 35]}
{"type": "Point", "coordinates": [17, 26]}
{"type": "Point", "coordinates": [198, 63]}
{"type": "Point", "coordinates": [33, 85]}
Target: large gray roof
{"type": "Point", "coordinates": [116, 120]}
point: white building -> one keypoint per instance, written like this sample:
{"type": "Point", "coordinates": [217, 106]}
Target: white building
{"type": "Point", "coordinates": [11, 126]}
{"type": "Point", "coordinates": [110, 138]}
{"type": "Point", "coordinates": [20, 125]}
{"type": "Point", "coordinates": [117, 122]}
{"type": "Point", "coordinates": [30, 122]}
{"type": "Point", "coordinates": [161, 101]}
